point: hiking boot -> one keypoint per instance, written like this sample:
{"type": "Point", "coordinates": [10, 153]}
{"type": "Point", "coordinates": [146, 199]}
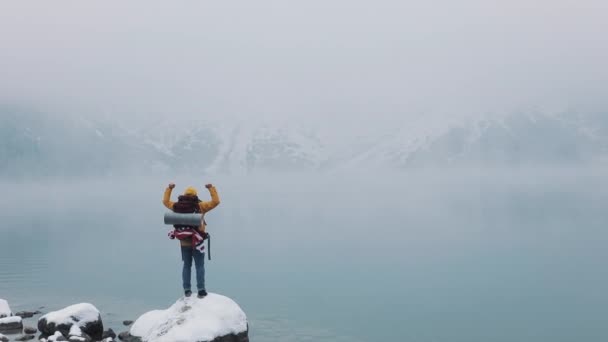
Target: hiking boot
{"type": "Point", "coordinates": [202, 293]}
{"type": "Point", "coordinates": [187, 293]}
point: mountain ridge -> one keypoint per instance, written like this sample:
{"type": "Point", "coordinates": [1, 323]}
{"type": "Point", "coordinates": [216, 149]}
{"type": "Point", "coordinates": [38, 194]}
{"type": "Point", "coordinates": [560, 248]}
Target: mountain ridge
{"type": "Point", "coordinates": [43, 145]}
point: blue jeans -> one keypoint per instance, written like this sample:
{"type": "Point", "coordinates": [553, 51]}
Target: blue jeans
{"type": "Point", "coordinates": [189, 253]}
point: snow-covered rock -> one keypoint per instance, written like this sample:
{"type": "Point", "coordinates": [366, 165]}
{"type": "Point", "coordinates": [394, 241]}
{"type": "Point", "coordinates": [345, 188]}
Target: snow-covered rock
{"type": "Point", "coordinates": [11, 324]}
{"type": "Point", "coordinates": [3, 338]}
{"type": "Point", "coordinates": [85, 316]}
{"type": "Point", "coordinates": [5, 309]}
{"type": "Point", "coordinates": [214, 318]}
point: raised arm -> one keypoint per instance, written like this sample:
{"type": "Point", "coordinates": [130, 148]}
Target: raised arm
{"type": "Point", "coordinates": [167, 196]}
{"type": "Point", "coordinates": [215, 199]}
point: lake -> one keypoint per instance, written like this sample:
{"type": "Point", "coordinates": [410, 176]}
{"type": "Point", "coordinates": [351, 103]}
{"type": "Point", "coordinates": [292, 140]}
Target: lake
{"type": "Point", "coordinates": [469, 255]}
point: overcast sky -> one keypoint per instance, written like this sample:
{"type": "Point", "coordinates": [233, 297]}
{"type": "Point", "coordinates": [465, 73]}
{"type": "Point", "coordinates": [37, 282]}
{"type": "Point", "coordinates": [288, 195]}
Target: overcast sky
{"type": "Point", "coordinates": [313, 58]}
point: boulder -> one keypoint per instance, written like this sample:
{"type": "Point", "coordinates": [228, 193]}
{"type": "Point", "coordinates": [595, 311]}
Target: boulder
{"type": "Point", "coordinates": [127, 323]}
{"type": "Point", "coordinates": [3, 338]}
{"type": "Point", "coordinates": [13, 324]}
{"type": "Point", "coordinates": [215, 318]}
{"type": "Point", "coordinates": [85, 316]}
{"type": "Point", "coordinates": [5, 309]}
{"type": "Point", "coordinates": [25, 338]}
{"type": "Point", "coordinates": [124, 336]}
{"type": "Point", "coordinates": [27, 314]}
{"type": "Point", "coordinates": [29, 330]}
{"type": "Point", "coordinates": [127, 337]}
{"type": "Point", "coordinates": [108, 333]}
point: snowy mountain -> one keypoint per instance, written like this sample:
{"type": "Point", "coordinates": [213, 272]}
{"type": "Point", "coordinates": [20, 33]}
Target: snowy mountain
{"type": "Point", "coordinates": [517, 139]}
{"type": "Point", "coordinates": [38, 144]}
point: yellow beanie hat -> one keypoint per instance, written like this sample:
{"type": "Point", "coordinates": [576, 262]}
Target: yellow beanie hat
{"type": "Point", "coordinates": [190, 191]}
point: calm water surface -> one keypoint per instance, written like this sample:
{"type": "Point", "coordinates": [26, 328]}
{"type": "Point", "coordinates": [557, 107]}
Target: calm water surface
{"type": "Point", "coordinates": [401, 259]}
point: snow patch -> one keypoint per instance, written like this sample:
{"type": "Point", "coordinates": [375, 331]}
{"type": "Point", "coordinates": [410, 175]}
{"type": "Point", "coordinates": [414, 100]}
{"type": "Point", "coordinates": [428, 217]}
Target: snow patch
{"type": "Point", "coordinates": [55, 337]}
{"type": "Point", "coordinates": [5, 309]}
{"type": "Point", "coordinates": [191, 320]}
{"type": "Point", "coordinates": [10, 320]}
{"type": "Point", "coordinates": [75, 331]}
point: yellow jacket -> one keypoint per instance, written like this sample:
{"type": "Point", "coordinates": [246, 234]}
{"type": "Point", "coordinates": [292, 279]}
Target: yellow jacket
{"type": "Point", "coordinates": [205, 207]}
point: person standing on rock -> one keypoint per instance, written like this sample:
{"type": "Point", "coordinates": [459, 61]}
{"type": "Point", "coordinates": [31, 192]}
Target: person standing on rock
{"type": "Point", "coordinates": [191, 238]}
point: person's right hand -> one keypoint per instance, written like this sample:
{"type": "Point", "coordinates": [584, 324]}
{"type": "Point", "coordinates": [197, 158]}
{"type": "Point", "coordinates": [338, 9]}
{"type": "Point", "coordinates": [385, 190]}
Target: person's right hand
{"type": "Point", "coordinates": [171, 185]}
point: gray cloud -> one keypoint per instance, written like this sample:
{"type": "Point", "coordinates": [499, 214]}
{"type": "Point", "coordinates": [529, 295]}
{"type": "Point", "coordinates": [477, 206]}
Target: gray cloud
{"type": "Point", "coordinates": [310, 59]}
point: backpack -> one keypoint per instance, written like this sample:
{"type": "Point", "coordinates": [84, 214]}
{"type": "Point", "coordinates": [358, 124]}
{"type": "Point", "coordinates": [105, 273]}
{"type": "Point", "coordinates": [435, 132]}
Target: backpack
{"type": "Point", "coordinates": [187, 205]}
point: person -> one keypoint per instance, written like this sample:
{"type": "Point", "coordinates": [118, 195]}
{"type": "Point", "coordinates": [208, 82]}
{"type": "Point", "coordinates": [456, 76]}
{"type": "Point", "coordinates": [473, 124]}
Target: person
{"type": "Point", "coordinates": [191, 238]}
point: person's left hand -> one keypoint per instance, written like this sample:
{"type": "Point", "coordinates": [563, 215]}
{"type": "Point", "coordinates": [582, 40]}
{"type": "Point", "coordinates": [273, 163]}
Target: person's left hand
{"type": "Point", "coordinates": [209, 186]}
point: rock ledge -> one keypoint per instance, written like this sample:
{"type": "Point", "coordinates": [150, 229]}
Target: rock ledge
{"type": "Point", "coordinates": [215, 318]}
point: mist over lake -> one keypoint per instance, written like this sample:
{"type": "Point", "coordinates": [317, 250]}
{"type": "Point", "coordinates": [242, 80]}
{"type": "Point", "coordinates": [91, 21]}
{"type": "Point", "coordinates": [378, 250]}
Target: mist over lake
{"type": "Point", "coordinates": [425, 256]}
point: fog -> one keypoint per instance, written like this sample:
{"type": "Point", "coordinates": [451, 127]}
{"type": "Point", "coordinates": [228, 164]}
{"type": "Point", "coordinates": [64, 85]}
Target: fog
{"type": "Point", "coordinates": [314, 60]}
{"type": "Point", "coordinates": [314, 86]}
{"type": "Point", "coordinates": [388, 170]}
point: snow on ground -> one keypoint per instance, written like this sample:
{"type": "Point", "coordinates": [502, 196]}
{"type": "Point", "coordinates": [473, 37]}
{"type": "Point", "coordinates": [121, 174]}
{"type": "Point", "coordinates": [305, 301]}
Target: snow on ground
{"type": "Point", "coordinates": [75, 331]}
{"type": "Point", "coordinates": [55, 337]}
{"type": "Point", "coordinates": [79, 314]}
{"type": "Point", "coordinates": [9, 320]}
{"type": "Point", "coordinates": [5, 309]}
{"type": "Point", "coordinates": [191, 320]}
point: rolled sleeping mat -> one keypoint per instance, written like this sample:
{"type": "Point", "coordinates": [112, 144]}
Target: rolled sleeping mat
{"type": "Point", "coordinates": [184, 219]}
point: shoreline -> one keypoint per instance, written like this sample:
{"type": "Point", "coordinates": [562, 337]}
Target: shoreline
{"type": "Point", "coordinates": [213, 318]}
{"type": "Point", "coordinates": [30, 331]}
